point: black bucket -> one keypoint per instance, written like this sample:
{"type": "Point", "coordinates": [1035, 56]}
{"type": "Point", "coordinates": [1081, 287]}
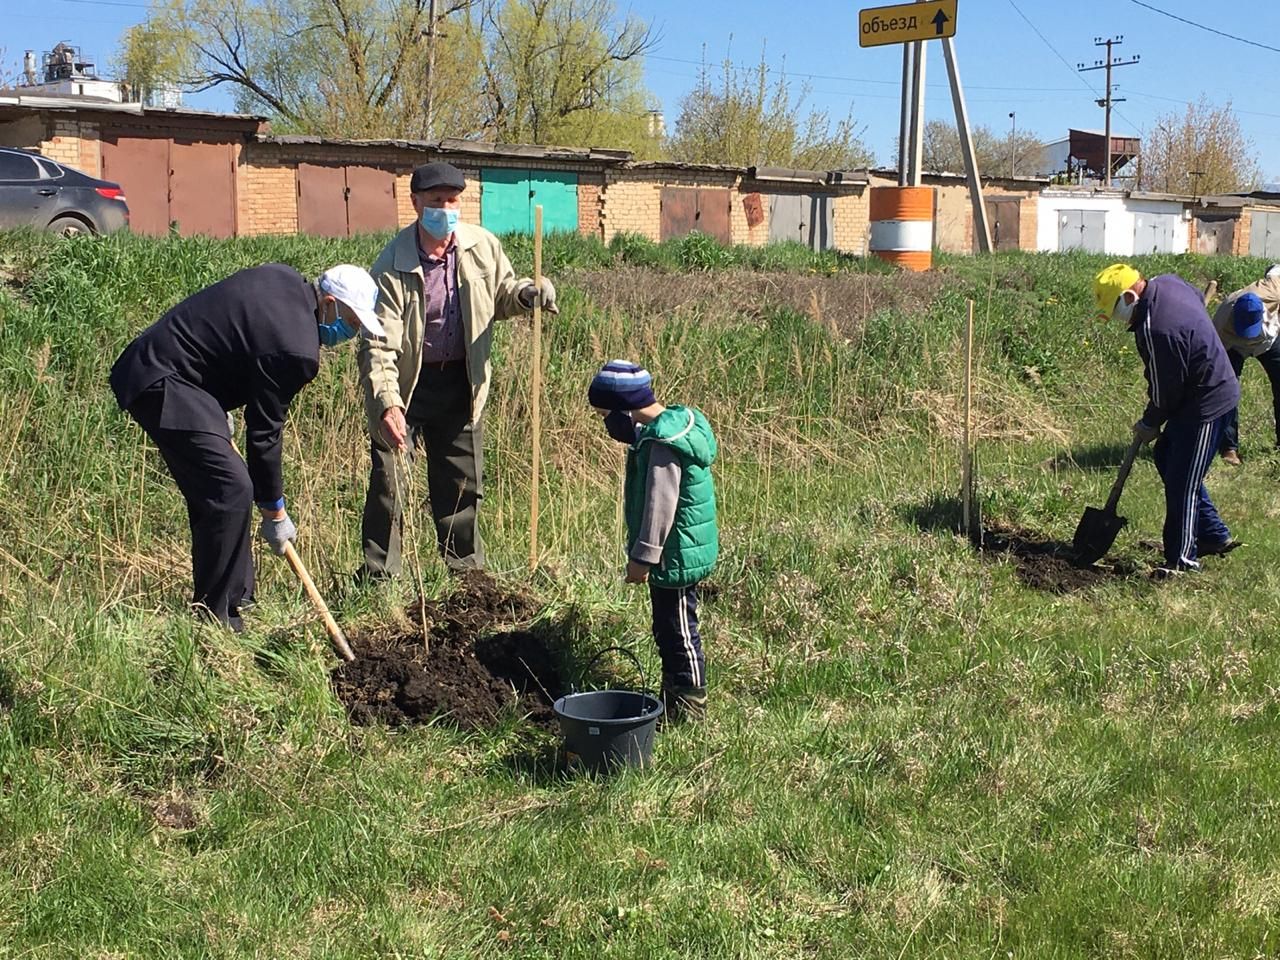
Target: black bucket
{"type": "Point", "coordinates": [608, 728]}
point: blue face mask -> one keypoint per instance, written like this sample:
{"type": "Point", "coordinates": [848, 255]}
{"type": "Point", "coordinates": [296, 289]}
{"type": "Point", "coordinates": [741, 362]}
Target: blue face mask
{"type": "Point", "coordinates": [621, 427]}
{"type": "Point", "coordinates": [439, 222]}
{"type": "Point", "coordinates": [332, 334]}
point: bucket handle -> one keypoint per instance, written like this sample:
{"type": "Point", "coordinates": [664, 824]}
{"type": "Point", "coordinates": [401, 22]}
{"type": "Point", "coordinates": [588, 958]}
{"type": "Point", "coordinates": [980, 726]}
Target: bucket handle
{"type": "Point", "coordinates": [644, 680]}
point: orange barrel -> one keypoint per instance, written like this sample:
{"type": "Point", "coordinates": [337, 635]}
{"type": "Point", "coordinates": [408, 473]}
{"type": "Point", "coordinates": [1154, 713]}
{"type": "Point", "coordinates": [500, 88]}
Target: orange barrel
{"type": "Point", "coordinates": [902, 226]}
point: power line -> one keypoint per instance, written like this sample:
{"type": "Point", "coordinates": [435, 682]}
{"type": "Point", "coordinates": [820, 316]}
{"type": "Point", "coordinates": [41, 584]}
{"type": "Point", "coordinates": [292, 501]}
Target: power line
{"type": "Point", "coordinates": [1065, 63]}
{"type": "Point", "coordinates": [827, 76]}
{"type": "Point", "coordinates": [1201, 26]}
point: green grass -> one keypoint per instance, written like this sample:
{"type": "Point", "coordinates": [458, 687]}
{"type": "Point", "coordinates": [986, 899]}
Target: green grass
{"type": "Point", "coordinates": [909, 754]}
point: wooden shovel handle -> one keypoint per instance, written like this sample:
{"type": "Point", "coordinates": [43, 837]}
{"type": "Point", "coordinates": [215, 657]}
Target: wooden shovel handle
{"type": "Point", "coordinates": [335, 632]}
{"type": "Point", "coordinates": [1118, 487]}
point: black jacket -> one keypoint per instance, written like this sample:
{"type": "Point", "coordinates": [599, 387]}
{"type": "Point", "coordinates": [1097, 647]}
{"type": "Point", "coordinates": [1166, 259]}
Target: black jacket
{"type": "Point", "coordinates": [247, 341]}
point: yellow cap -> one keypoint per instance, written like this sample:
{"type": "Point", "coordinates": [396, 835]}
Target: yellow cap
{"type": "Point", "coordinates": [1110, 283]}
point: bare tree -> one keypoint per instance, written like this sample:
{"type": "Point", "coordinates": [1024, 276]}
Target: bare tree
{"type": "Point", "coordinates": [1201, 150]}
{"type": "Point", "coordinates": [751, 117]}
{"type": "Point", "coordinates": [997, 156]}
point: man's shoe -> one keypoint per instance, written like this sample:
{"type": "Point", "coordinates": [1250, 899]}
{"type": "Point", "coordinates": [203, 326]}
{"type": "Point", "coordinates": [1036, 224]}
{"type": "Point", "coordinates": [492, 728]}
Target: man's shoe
{"type": "Point", "coordinates": [685, 703]}
{"type": "Point", "coordinates": [1218, 549]}
{"type": "Point", "coordinates": [1160, 574]}
{"type": "Point", "coordinates": [1232, 458]}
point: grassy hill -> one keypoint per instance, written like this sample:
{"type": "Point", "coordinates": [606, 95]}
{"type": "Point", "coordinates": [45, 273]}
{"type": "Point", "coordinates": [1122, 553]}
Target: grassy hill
{"type": "Point", "coordinates": [914, 749]}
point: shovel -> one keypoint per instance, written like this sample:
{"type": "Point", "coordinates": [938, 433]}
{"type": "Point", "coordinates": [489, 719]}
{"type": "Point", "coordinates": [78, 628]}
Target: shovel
{"type": "Point", "coordinates": [1098, 528]}
{"type": "Point", "coordinates": [336, 636]}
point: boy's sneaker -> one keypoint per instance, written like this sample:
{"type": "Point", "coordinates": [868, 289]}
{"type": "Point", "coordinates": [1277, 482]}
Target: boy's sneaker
{"type": "Point", "coordinates": [684, 703]}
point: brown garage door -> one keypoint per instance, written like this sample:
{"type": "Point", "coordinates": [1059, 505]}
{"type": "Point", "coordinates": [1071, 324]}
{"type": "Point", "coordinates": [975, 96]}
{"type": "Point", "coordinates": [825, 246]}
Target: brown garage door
{"type": "Point", "coordinates": [202, 188]}
{"type": "Point", "coordinates": [685, 209]}
{"type": "Point", "coordinates": [141, 166]}
{"type": "Point", "coordinates": [713, 214]}
{"type": "Point", "coordinates": [1004, 217]}
{"type": "Point", "coordinates": [322, 200]}
{"type": "Point", "coordinates": [371, 200]}
{"type": "Point", "coordinates": [679, 211]}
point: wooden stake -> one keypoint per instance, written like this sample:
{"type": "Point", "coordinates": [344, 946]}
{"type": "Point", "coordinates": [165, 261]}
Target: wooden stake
{"type": "Point", "coordinates": [966, 462]}
{"type": "Point", "coordinates": [537, 386]}
{"type": "Point", "coordinates": [335, 632]}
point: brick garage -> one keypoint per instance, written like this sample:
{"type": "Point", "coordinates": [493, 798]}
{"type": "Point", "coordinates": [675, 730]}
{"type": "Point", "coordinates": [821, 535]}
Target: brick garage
{"type": "Point", "coordinates": [953, 230]}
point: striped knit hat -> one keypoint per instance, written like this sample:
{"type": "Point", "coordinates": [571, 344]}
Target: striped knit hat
{"type": "Point", "coordinates": [621, 385]}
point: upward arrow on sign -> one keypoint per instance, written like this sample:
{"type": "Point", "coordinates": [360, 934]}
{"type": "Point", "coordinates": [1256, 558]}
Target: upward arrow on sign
{"type": "Point", "coordinates": [939, 22]}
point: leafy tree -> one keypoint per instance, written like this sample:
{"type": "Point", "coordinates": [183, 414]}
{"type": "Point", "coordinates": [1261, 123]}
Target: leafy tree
{"type": "Point", "coordinates": [549, 71]}
{"type": "Point", "coordinates": [745, 119]}
{"type": "Point", "coordinates": [565, 72]}
{"type": "Point", "coordinates": [1201, 150]}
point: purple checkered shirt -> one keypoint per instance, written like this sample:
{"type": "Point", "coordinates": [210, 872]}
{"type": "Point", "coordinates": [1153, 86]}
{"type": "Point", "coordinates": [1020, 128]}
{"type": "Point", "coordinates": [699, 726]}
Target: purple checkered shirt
{"type": "Point", "coordinates": [442, 338]}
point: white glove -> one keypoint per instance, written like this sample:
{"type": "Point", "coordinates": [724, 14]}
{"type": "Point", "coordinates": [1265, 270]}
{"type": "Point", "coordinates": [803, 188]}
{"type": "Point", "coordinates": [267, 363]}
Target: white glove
{"type": "Point", "coordinates": [1273, 271]}
{"type": "Point", "coordinates": [548, 296]}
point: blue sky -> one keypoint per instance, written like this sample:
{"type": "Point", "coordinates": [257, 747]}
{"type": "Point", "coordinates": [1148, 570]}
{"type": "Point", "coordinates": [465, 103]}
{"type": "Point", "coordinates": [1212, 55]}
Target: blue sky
{"type": "Point", "coordinates": [1005, 65]}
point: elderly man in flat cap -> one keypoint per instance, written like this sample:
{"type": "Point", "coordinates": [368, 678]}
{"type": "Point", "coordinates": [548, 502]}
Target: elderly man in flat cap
{"type": "Point", "coordinates": [441, 284]}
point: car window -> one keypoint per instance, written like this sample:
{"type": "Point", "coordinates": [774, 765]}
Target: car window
{"type": "Point", "coordinates": [48, 168]}
{"type": "Point", "coordinates": [17, 166]}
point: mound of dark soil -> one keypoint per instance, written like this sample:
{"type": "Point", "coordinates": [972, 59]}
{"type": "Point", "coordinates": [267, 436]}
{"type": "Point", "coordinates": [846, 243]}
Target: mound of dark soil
{"type": "Point", "coordinates": [1049, 565]}
{"type": "Point", "coordinates": [472, 669]}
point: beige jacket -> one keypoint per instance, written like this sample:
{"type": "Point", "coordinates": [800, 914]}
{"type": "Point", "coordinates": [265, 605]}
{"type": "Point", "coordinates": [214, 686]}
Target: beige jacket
{"type": "Point", "coordinates": [1268, 291]}
{"type": "Point", "coordinates": [488, 287]}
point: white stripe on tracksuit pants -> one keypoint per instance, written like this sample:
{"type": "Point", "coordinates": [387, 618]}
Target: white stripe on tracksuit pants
{"type": "Point", "coordinates": [675, 631]}
{"type": "Point", "coordinates": [1183, 455]}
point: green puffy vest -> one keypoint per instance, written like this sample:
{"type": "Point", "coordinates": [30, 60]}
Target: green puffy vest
{"type": "Point", "coordinates": [694, 542]}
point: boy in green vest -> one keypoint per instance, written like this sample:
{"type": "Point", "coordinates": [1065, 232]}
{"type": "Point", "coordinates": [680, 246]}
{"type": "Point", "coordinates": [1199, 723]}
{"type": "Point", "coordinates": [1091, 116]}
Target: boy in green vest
{"type": "Point", "coordinates": [670, 505]}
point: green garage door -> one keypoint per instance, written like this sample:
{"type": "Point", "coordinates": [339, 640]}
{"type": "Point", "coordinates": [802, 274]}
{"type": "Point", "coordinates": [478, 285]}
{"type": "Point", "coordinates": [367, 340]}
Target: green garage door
{"type": "Point", "coordinates": [508, 196]}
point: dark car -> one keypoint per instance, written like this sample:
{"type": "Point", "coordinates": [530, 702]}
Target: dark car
{"type": "Point", "coordinates": [38, 192]}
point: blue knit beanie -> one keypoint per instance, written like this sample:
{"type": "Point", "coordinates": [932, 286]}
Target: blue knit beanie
{"type": "Point", "coordinates": [1247, 315]}
{"type": "Point", "coordinates": [621, 385]}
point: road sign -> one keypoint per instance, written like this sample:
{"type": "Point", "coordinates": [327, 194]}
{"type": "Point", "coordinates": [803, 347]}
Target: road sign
{"type": "Point", "coordinates": [907, 22]}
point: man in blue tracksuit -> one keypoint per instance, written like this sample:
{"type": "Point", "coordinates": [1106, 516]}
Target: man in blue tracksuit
{"type": "Point", "coordinates": [1192, 390]}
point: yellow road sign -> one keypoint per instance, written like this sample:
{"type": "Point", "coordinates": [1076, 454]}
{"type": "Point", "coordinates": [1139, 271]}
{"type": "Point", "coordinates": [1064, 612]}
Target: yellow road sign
{"type": "Point", "coordinates": [905, 22]}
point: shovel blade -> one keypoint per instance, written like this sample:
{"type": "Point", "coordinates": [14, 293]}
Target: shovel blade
{"type": "Point", "coordinates": [1095, 534]}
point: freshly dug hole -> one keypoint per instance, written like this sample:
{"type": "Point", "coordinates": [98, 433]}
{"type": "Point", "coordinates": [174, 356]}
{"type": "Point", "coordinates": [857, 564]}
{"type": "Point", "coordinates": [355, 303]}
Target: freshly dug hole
{"type": "Point", "coordinates": [1049, 565]}
{"type": "Point", "coordinates": [474, 669]}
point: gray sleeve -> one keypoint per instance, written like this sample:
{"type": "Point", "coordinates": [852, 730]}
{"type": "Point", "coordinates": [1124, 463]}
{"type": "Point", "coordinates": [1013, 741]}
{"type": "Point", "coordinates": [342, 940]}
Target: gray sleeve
{"type": "Point", "coordinates": [661, 493]}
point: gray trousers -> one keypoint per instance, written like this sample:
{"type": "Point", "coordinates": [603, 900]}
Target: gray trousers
{"type": "Point", "coordinates": [438, 418]}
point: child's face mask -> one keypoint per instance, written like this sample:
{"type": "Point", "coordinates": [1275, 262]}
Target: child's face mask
{"type": "Point", "coordinates": [620, 427]}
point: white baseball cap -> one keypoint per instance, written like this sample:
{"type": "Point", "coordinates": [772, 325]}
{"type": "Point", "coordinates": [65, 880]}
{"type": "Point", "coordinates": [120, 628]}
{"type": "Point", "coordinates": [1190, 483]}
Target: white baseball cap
{"type": "Point", "coordinates": [356, 288]}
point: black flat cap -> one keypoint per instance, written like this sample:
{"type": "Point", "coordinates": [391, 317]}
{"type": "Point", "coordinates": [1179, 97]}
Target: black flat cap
{"type": "Point", "coordinates": [429, 176]}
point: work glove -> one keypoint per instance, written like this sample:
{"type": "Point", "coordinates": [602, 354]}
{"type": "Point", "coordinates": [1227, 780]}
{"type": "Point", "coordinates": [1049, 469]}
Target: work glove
{"type": "Point", "coordinates": [1273, 270]}
{"type": "Point", "coordinates": [1143, 432]}
{"type": "Point", "coordinates": [278, 532]}
{"type": "Point", "coordinates": [548, 296]}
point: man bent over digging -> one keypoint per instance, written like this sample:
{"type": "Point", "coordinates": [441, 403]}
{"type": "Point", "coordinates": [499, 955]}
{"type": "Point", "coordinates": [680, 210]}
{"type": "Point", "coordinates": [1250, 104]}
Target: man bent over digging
{"type": "Point", "coordinates": [669, 501]}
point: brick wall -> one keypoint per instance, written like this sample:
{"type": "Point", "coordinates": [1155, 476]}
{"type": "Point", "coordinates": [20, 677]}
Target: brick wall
{"type": "Point", "coordinates": [590, 204]}
{"type": "Point", "coordinates": [75, 143]}
{"type": "Point", "coordinates": [630, 205]}
{"type": "Point", "coordinates": [853, 221]}
{"type": "Point", "coordinates": [268, 198]}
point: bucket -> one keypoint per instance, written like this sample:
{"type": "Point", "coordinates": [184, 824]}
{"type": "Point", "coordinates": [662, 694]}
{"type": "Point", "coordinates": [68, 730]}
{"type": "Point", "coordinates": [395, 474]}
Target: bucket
{"type": "Point", "coordinates": [902, 226]}
{"type": "Point", "coordinates": [609, 728]}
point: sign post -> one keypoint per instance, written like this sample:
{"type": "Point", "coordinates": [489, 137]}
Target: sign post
{"type": "Point", "coordinates": [913, 24]}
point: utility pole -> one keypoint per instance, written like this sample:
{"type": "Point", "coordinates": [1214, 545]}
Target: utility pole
{"type": "Point", "coordinates": [1108, 65]}
{"type": "Point", "coordinates": [430, 34]}
{"type": "Point", "coordinates": [1013, 144]}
